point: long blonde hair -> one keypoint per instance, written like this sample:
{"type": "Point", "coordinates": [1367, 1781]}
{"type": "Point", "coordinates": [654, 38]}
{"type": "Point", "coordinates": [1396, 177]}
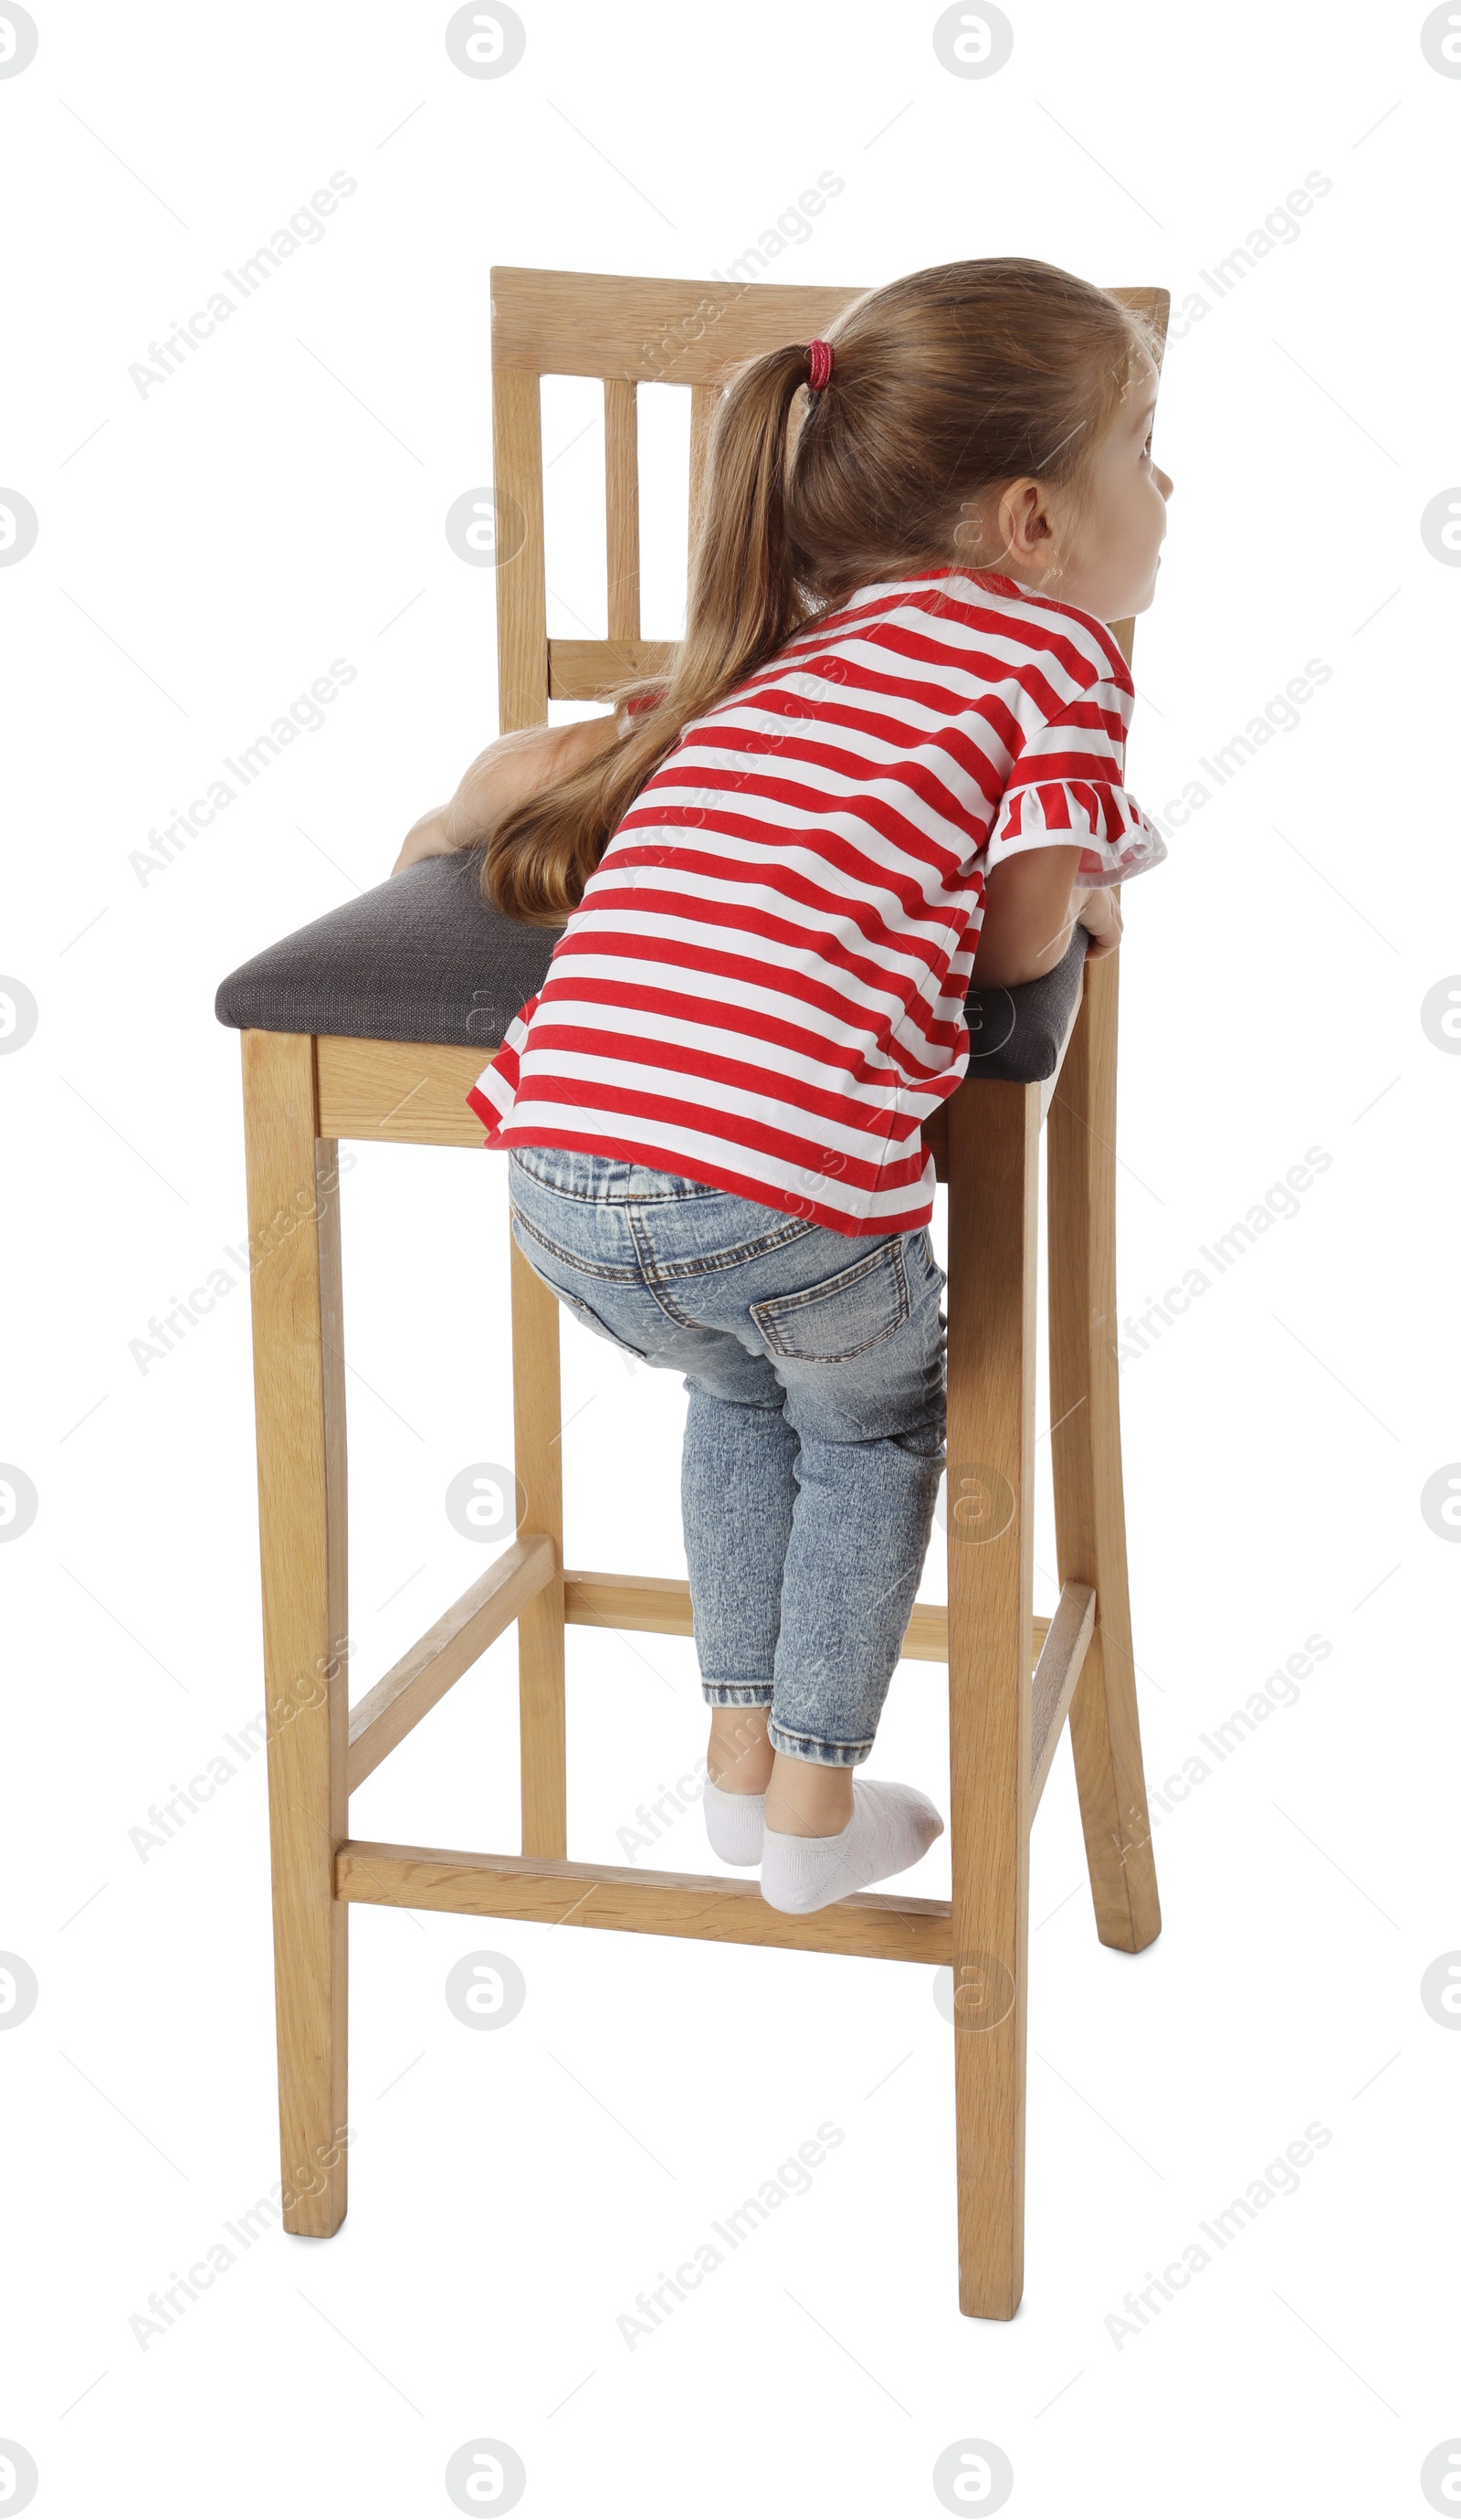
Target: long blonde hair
{"type": "Point", "coordinates": [946, 385]}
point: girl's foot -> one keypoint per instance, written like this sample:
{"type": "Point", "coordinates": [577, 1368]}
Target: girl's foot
{"type": "Point", "coordinates": [735, 1824]}
{"type": "Point", "coordinates": [890, 1828]}
{"type": "Point", "coordinates": [739, 1765]}
{"type": "Point", "coordinates": [808, 1798]}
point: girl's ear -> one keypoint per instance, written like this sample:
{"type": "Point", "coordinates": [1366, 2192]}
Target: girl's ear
{"type": "Point", "coordinates": [1024, 520]}
{"type": "Point", "coordinates": [1033, 529]}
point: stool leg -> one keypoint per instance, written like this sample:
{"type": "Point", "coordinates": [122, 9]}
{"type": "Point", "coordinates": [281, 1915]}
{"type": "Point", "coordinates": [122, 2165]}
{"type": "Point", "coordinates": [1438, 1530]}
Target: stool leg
{"type": "Point", "coordinates": [295, 1255]}
{"type": "Point", "coordinates": [993, 1147]}
{"type": "Point", "coordinates": [1086, 1459]}
{"type": "Point", "coordinates": [537, 1419]}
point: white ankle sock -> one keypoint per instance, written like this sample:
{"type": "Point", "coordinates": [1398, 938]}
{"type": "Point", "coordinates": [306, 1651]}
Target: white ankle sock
{"type": "Point", "coordinates": [891, 1827]}
{"type": "Point", "coordinates": [735, 1824]}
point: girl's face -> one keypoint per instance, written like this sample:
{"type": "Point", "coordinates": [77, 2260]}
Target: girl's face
{"type": "Point", "coordinates": [1107, 566]}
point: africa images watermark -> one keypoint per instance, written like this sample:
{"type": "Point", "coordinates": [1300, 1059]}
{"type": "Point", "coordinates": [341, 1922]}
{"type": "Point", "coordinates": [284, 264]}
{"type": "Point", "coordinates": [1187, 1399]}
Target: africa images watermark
{"type": "Point", "coordinates": [1280, 1688]}
{"type": "Point", "coordinates": [1279, 228]}
{"type": "Point", "coordinates": [304, 226]}
{"type": "Point", "coordinates": [1278, 716]}
{"type": "Point", "coordinates": [164, 2309]}
{"type": "Point", "coordinates": [163, 1333]}
{"type": "Point", "coordinates": [164, 1820]}
{"type": "Point", "coordinates": [304, 717]}
{"type": "Point", "coordinates": [1280, 2179]}
{"type": "Point", "coordinates": [649, 1826]}
{"type": "Point", "coordinates": [792, 227]}
{"type": "Point", "coordinates": [1278, 1203]}
{"type": "Point", "coordinates": [792, 2177]}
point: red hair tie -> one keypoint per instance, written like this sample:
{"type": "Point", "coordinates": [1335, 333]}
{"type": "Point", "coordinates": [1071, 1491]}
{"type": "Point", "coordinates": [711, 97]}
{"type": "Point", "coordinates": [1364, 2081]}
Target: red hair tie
{"type": "Point", "coordinates": [820, 357]}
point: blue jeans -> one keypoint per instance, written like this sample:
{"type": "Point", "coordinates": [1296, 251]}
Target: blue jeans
{"type": "Point", "coordinates": [813, 1443]}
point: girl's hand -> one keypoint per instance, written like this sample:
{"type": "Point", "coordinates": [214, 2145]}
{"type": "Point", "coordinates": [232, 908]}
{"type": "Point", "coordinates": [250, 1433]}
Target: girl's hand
{"type": "Point", "coordinates": [1100, 915]}
{"type": "Point", "coordinates": [511, 770]}
{"type": "Point", "coordinates": [427, 838]}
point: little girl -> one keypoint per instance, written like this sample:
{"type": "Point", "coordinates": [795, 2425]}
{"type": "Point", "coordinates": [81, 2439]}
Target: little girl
{"type": "Point", "coordinates": [893, 731]}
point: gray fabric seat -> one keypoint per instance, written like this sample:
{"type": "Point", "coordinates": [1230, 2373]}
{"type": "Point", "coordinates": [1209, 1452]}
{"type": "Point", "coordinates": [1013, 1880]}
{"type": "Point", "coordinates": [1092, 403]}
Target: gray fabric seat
{"type": "Point", "coordinates": [422, 957]}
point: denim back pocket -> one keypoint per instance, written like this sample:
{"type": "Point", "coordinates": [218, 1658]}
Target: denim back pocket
{"type": "Point", "coordinates": [591, 1321]}
{"type": "Point", "coordinates": [536, 1251]}
{"type": "Point", "coordinates": [843, 1316]}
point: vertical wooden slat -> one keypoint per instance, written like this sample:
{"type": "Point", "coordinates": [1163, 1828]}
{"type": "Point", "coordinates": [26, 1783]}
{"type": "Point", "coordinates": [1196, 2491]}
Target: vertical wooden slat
{"type": "Point", "coordinates": [294, 1224]}
{"type": "Point", "coordinates": [522, 684]}
{"type": "Point", "coordinates": [993, 1142]}
{"type": "Point", "coordinates": [621, 456]}
{"type": "Point", "coordinates": [537, 1419]}
{"type": "Point", "coordinates": [703, 400]}
{"type": "Point", "coordinates": [521, 589]}
{"type": "Point", "coordinates": [1085, 1449]}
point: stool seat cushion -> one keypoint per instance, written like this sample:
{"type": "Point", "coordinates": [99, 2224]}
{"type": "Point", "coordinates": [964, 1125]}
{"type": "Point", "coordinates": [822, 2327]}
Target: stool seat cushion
{"type": "Point", "coordinates": [422, 957]}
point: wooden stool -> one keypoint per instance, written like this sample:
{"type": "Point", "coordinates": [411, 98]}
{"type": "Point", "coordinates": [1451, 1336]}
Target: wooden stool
{"type": "Point", "coordinates": [371, 1024]}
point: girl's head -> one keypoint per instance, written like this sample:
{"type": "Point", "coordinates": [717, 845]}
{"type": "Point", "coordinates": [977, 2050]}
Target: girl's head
{"type": "Point", "coordinates": [991, 415]}
{"type": "Point", "coordinates": [983, 412]}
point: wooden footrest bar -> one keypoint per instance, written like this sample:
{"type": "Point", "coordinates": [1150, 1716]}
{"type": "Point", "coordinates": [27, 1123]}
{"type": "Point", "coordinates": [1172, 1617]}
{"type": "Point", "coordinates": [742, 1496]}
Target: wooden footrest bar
{"type": "Point", "coordinates": [705, 1908]}
{"type": "Point", "coordinates": [660, 1604]}
{"type": "Point", "coordinates": [1055, 1676]}
{"type": "Point", "coordinates": [422, 1676]}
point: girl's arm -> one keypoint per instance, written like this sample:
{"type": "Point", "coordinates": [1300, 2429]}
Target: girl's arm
{"type": "Point", "coordinates": [1032, 904]}
{"type": "Point", "coordinates": [511, 770]}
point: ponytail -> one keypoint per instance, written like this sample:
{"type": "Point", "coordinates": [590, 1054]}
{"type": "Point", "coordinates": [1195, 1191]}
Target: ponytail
{"type": "Point", "coordinates": [743, 601]}
{"type": "Point", "coordinates": [948, 384]}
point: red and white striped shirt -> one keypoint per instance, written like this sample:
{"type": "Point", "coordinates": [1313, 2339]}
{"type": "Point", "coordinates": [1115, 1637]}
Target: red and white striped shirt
{"type": "Point", "coordinates": [762, 987]}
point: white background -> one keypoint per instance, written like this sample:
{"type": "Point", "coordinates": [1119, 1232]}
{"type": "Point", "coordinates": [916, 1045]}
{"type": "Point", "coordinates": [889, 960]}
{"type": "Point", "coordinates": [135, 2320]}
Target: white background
{"type": "Point", "coordinates": [205, 552]}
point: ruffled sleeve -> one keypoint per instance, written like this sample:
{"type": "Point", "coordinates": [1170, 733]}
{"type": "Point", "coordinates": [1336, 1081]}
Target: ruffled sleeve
{"type": "Point", "coordinates": [1066, 788]}
{"type": "Point", "coordinates": [1115, 839]}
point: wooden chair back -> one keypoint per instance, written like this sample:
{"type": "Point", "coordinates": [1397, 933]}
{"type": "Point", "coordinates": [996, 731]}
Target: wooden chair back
{"type": "Point", "coordinates": [627, 332]}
